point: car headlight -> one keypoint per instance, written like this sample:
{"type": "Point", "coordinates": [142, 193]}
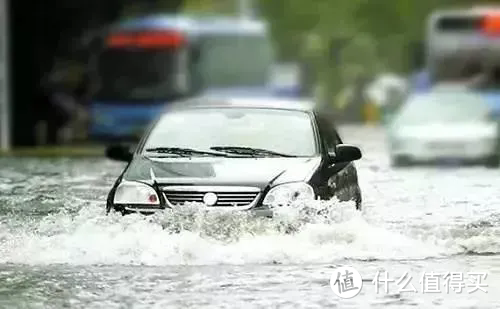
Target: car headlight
{"type": "Point", "coordinates": [132, 192]}
{"type": "Point", "coordinates": [289, 193]}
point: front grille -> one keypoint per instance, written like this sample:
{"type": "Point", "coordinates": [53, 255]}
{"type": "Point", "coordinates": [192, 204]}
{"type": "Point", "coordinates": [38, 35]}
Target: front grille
{"type": "Point", "coordinates": [225, 198]}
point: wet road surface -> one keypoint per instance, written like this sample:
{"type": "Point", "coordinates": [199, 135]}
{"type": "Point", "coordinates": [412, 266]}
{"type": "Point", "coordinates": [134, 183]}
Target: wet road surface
{"type": "Point", "coordinates": [58, 249]}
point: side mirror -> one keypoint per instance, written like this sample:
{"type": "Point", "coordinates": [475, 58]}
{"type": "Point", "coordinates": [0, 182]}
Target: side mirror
{"type": "Point", "coordinates": [345, 153]}
{"type": "Point", "coordinates": [119, 153]}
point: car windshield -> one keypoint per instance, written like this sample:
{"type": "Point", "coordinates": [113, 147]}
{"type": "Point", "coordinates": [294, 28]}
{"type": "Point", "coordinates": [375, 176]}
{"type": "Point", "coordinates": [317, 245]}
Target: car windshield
{"type": "Point", "coordinates": [236, 60]}
{"type": "Point", "coordinates": [443, 107]}
{"type": "Point", "coordinates": [281, 131]}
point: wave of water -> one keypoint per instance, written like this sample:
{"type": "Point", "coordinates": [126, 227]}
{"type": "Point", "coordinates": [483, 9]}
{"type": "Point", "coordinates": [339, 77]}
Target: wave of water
{"type": "Point", "coordinates": [192, 236]}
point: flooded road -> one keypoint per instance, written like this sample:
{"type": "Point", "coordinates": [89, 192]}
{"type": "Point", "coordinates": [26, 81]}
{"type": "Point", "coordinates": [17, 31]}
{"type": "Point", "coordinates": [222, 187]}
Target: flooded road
{"type": "Point", "coordinates": [58, 249]}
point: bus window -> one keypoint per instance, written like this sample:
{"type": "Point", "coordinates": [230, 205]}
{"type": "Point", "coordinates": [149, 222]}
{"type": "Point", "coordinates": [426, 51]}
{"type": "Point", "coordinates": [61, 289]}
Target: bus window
{"type": "Point", "coordinates": [495, 77]}
{"type": "Point", "coordinates": [232, 60]}
{"type": "Point", "coordinates": [456, 38]}
{"type": "Point", "coordinates": [492, 79]}
{"type": "Point", "coordinates": [469, 73]}
{"type": "Point", "coordinates": [196, 79]}
{"type": "Point", "coordinates": [128, 71]}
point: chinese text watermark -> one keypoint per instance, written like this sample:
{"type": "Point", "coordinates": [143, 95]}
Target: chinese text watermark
{"type": "Point", "coordinates": [432, 282]}
{"type": "Point", "coordinates": [346, 282]}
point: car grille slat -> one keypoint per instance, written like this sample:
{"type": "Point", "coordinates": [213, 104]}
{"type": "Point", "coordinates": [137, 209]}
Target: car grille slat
{"type": "Point", "coordinates": [185, 199]}
{"type": "Point", "coordinates": [227, 198]}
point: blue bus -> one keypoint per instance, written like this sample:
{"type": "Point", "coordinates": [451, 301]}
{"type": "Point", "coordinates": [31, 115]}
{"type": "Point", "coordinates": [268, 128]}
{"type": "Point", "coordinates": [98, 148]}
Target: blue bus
{"type": "Point", "coordinates": [148, 62]}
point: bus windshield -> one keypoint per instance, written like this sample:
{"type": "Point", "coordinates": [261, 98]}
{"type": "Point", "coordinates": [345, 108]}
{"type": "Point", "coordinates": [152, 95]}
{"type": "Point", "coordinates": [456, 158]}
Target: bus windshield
{"type": "Point", "coordinates": [462, 47]}
{"type": "Point", "coordinates": [150, 74]}
{"type": "Point", "coordinates": [140, 74]}
{"type": "Point", "coordinates": [236, 60]}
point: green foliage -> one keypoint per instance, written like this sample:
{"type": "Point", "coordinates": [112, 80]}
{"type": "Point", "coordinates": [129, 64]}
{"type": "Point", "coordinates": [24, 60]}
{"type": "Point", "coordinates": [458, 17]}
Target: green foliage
{"type": "Point", "coordinates": [228, 7]}
{"type": "Point", "coordinates": [376, 34]}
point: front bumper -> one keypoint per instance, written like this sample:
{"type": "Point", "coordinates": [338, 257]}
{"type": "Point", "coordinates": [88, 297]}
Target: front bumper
{"type": "Point", "coordinates": [257, 211]}
{"type": "Point", "coordinates": [430, 151]}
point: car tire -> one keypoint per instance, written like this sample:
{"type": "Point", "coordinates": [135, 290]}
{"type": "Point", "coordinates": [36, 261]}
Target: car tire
{"type": "Point", "coordinates": [492, 161]}
{"type": "Point", "coordinates": [399, 161]}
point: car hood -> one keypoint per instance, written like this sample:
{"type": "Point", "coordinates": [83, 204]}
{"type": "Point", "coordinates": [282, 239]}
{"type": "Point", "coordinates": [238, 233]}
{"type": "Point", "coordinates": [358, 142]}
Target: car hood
{"type": "Point", "coordinates": [258, 172]}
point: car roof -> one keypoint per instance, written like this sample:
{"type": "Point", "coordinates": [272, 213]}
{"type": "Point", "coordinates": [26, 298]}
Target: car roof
{"type": "Point", "coordinates": [237, 102]}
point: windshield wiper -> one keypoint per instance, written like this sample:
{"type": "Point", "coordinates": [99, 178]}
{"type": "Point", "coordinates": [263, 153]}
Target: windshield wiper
{"type": "Point", "coordinates": [185, 152]}
{"type": "Point", "coordinates": [255, 152]}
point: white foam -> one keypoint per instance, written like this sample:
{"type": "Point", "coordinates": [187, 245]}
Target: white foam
{"type": "Point", "coordinates": [194, 237]}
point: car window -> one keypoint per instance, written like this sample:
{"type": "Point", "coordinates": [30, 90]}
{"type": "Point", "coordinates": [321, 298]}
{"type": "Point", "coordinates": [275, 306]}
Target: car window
{"type": "Point", "coordinates": [338, 140]}
{"type": "Point", "coordinates": [329, 133]}
{"type": "Point", "coordinates": [284, 131]}
{"type": "Point", "coordinates": [443, 106]}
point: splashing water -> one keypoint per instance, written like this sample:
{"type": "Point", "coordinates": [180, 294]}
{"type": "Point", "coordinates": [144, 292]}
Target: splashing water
{"type": "Point", "coordinates": [43, 225]}
{"type": "Point", "coordinates": [191, 235]}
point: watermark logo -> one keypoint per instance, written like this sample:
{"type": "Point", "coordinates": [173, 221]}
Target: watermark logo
{"type": "Point", "coordinates": [346, 282]}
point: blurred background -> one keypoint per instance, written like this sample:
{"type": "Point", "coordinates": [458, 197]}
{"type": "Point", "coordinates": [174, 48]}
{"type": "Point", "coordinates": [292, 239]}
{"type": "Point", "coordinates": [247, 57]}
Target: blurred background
{"type": "Point", "coordinates": [408, 80]}
{"type": "Point", "coordinates": [65, 81]}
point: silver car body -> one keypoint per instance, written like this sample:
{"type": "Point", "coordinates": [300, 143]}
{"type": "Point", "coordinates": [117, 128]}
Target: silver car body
{"type": "Point", "coordinates": [445, 123]}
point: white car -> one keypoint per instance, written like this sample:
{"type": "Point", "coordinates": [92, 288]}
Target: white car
{"type": "Point", "coordinates": [450, 124]}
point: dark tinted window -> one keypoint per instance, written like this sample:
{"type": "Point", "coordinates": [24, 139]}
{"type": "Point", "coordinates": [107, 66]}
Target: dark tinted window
{"type": "Point", "coordinates": [458, 23]}
{"type": "Point", "coordinates": [329, 132]}
{"type": "Point", "coordinates": [141, 74]}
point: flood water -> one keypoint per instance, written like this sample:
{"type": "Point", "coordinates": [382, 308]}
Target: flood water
{"type": "Point", "coordinates": [58, 249]}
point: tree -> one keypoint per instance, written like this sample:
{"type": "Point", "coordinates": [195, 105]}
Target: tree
{"type": "Point", "coordinates": [306, 30]}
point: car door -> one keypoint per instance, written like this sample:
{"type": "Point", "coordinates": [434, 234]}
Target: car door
{"type": "Point", "coordinates": [339, 179]}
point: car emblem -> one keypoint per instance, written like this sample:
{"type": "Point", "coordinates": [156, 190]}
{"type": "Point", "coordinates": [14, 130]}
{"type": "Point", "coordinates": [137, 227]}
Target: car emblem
{"type": "Point", "coordinates": [210, 199]}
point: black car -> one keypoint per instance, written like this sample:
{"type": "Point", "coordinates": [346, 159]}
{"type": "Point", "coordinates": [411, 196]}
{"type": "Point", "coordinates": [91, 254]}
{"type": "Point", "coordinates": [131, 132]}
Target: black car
{"type": "Point", "coordinates": [247, 154]}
